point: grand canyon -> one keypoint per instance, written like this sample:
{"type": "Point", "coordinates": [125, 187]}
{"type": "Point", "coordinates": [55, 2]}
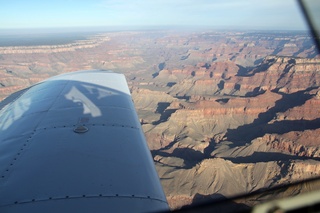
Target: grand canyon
{"type": "Point", "coordinates": [224, 112]}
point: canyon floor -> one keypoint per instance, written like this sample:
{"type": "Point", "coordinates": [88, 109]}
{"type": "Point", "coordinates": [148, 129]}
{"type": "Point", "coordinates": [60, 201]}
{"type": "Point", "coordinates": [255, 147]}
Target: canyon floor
{"type": "Point", "coordinates": [224, 113]}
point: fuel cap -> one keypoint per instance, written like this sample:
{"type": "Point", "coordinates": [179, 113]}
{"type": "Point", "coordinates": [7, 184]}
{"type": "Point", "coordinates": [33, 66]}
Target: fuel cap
{"type": "Point", "coordinates": [81, 129]}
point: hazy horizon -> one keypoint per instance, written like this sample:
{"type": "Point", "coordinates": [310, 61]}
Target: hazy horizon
{"type": "Point", "coordinates": [60, 36]}
{"type": "Point", "coordinates": [105, 29]}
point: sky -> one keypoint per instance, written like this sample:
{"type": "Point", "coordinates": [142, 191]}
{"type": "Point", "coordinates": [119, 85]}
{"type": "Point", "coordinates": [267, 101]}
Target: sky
{"type": "Point", "coordinates": [224, 14]}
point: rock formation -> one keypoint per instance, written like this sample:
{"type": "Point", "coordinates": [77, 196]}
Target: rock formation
{"type": "Point", "coordinates": [223, 112]}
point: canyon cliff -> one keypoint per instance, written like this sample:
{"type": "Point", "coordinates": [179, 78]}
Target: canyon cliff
{"type": "Point", "coordinates": [223, 112]}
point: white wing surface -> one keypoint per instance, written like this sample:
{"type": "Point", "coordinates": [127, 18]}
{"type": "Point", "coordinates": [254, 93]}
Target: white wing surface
{"type": "Point", "coordinates": [73, 143]}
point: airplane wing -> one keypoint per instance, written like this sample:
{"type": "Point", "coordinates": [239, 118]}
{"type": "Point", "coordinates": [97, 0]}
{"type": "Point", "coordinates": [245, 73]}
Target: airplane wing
{"type": "Point", "coordinates": [73, 143]}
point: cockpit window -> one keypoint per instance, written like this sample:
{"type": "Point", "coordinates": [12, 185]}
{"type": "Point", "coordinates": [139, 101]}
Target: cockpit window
{"type": "Point", "coordinates": [227, 92]}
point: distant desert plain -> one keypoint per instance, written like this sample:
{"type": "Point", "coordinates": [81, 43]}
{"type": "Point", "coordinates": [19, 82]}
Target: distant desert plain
{"type": "Point", "coordinates": [224, 112]}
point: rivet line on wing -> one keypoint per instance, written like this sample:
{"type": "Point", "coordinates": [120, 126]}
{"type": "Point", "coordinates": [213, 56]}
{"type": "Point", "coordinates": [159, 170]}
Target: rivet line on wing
{"type": "Point", "coordinates": [86, 196]}
{"type": "Point", "coordinates": [17, 156]}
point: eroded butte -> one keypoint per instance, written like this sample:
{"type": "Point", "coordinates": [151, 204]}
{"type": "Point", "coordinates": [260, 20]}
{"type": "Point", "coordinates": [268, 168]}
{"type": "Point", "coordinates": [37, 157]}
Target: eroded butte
{"type": "Point", "coordinates": [223, 112]}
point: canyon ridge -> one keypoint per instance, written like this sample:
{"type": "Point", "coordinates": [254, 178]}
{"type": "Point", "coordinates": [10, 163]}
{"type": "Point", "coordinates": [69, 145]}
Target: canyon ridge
{"type": "Point", "coordinates": [224, 113]}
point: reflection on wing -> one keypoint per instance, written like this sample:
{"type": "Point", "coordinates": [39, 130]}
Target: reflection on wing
{"type": "Point", "coordinates": [80, 99]}
{"type": "Point", "coordinates": [14, 112]}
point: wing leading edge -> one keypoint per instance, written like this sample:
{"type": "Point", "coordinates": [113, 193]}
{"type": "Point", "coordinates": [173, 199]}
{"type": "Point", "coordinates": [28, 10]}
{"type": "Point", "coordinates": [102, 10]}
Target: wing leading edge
{"type": "Point", "coordinates": [74, 143]}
